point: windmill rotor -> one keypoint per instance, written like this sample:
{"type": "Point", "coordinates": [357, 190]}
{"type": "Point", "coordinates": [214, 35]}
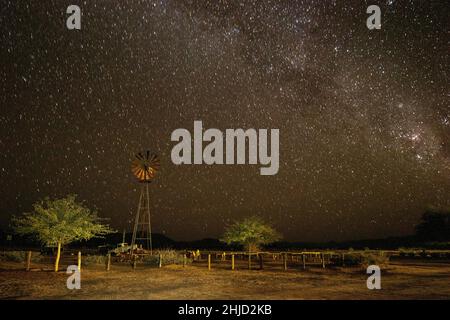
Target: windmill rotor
{"type": "Point", "coordinates": [144, 166]}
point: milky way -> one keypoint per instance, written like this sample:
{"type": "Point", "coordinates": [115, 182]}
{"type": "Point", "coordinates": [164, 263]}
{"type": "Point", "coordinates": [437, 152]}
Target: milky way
{"type": "Point", "coordinates": [363, 115]}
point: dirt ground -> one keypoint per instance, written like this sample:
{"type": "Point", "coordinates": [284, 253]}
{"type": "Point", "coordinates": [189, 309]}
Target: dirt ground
{"type": "Point", "coordinates": [196, 282]}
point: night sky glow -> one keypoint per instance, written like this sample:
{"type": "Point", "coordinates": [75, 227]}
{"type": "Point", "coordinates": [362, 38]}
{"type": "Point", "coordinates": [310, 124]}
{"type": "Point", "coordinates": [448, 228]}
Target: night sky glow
{"type": "Point", "coordinates": [364, 115]}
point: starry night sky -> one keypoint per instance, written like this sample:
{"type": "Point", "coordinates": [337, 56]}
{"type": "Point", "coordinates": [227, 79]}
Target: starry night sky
{"type": "Point", "coordinates": [364, 116]}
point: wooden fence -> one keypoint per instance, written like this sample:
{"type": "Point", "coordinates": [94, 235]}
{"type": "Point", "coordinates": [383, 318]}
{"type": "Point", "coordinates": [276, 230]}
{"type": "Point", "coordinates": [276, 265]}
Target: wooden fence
{"type": "Point", "coordinates": [303, 259]}
{"type": "Point", "coordinates": [256, 260]}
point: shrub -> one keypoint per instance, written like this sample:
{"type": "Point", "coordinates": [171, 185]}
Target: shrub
{"type": "Point", "coordinates": [13, 256]}
{"type": "Point", "coordinates": [372, 258]}
{"type": "Point", "coordinates": [152, 260]}
{"type": "Point", "coordinates": [92, 260]}
{"type": "Point", "coordinates": [37, 257]}
{"type": "Point", "coordinates": [364, 258]}
{"type": "Point", "coordinates": [437, 245]}
{"type": "Point", "coordinates": [351, 259]}
{"type": "Point", "coordinates": [21, 256]}
{"type": "Point", "coordinates": [403, 251]}
{"type": "Point", "coordinates": [168, 257]}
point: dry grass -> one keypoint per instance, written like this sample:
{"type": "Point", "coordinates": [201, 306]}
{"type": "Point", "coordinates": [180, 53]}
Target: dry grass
{"type": "Point", "coordinates": [196, 282]}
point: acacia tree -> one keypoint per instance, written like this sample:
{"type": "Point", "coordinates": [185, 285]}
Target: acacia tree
{"type": "Point", "coordinates": [59, 222]}
{"type": "Point", "coordinates": [251, 232]}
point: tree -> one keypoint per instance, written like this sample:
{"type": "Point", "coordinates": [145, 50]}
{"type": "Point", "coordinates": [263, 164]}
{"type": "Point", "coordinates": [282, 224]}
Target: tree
{"type": "Point", "coordinates": [434, 226]}
{"type": "Point", "coordinates": [59, 222]}
{"type": "Point", "coordinates": [251, 233]}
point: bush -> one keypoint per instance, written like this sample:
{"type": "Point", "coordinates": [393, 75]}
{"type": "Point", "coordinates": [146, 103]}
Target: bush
{"type": "Point", "coordinates": [374, 258]}
{"type": "Point", "coordinates": [92, 260]}
{"type": "Point", "coordinates": [152, 260]}
{"type": "Point", "coordinates": [351, 259]}
{"type": "Point", "coordinates": [403, 252]}
{"type": "Point", "coordinates": [364, 258]}
{"type": "Point", "coordinates": [168, 257]}
{"type": "Point", "coordinates": [37, 257]}
{"type": "Point", "coordinates": [13, 256]}
{"type": "Point", "coordinates": [437, 245]}
{"type": "Point", "coordinates": [21, 256]}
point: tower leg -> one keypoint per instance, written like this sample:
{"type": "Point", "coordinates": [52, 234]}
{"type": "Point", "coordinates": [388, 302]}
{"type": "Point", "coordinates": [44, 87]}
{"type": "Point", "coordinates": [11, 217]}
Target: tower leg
{"type": "Point", "coordinates": [142, 231]}
{"type": "Point", "coordinates": [136, 222]}
{"type": "Point", "coordinates": [149, 239]}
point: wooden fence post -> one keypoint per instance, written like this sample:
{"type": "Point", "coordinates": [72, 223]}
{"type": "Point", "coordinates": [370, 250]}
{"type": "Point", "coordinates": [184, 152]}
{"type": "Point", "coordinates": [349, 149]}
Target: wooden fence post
{"type": "Point", "coordinates": [232, 262]}
{"type": "Point", "coordinates": [343, 259]}
{"type": "Point", "coordinates": [108, 262]}
{"type": "Point", "coordinates": [28, 260]}
{"type": "Point", "coordinates": [134, 262]}
{"type": "Point", "coordinates": [323, 260]}
{"type": "Point", "coordinates": [79, 260]}
{"type": "Point", "coordinates": [304, 261]}
{"type": "Point", "coordinates": [160, 261]}
{"type": "Point", "coordinates": [184, 260]}
{"type": "Point", "coordinates": [209, 261]}
{"type": "Point", "coordinates": [285, 261]}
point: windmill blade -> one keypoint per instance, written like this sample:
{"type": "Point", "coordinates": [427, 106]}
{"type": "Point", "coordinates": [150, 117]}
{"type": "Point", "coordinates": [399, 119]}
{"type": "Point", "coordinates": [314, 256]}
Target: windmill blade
{"type": "Point", "coordinates": [145, 174]}
{"type": "Point", "coordinates": [145, 166]}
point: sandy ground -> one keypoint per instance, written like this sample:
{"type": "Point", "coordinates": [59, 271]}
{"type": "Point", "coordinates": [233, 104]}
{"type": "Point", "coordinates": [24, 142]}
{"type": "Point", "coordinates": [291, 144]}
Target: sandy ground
{"type": "Point", "coordinates": [196, 282]}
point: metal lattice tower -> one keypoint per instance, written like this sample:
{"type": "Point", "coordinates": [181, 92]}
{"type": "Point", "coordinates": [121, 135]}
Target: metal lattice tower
{"type": "Point", "coordinates": [144, 167]}
{"type": "Point", "coordinates": [142, 231]}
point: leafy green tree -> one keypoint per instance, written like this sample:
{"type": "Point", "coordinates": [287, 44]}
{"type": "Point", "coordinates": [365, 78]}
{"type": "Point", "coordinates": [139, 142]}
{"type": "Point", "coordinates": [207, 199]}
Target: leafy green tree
{"type": "Point", "coordinates": [59, 222]}
{"type": "Point", "coordinates": [251, 232]}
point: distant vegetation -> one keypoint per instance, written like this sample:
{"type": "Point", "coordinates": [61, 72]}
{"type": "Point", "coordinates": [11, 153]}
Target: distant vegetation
{"type": "Point", "coordinates": [433, 232]}
{"type": "Point", "coordinates": [434, 226]}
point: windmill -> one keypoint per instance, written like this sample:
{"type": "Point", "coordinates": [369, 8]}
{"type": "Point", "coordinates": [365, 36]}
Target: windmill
{"type": "Point", "coordinates": [144, 167]}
